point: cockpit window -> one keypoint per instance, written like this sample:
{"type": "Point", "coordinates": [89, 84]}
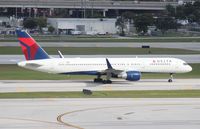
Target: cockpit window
{"type": "Point", "coordinates": [185, 64]}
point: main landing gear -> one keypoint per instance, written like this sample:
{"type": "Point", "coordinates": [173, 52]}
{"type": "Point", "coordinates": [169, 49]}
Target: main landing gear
{"type": "Point", "coordinates": [171, 78]}
{"type": "Point", "coordinates": [107, 81]}
{"type": "Point", "coordinates": [100, 80]}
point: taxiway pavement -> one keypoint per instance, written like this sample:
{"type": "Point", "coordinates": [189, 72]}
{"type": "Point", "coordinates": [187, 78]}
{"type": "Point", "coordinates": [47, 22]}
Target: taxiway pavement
{"type": "Point", "coordinates": [180, 45]}
{"type": "Point", "coordinates": [79, 85]}
{"type": "Point", "coordinates": [140, 113]}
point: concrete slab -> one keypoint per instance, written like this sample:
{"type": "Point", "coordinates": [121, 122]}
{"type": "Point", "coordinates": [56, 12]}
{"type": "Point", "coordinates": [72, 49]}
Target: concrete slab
{"type": "Point", "coordinates": [79, 85]}
{"type": "Point", "coordinates": [100, 113]}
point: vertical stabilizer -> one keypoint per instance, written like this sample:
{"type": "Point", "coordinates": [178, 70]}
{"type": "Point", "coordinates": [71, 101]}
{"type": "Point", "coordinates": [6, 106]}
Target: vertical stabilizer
{"type": "Point", "coordinates": [30, 48]}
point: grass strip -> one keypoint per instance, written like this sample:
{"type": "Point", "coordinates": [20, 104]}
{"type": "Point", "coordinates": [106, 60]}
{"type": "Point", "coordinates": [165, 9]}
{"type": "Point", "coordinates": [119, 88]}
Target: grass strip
{"type": "Point", "coordinates": [106, 94]}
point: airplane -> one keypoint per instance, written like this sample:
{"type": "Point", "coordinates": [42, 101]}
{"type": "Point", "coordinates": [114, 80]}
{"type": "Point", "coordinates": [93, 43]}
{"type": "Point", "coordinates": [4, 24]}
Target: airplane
{"type": "Point", "coordinates": [129, 69]}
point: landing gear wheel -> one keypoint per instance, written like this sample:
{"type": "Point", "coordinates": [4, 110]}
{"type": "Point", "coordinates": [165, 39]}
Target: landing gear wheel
{"type": "Point", "coordinates": [107, 81]}
{"type": "Point", "coordinates": [170, 80]}
{"type": "Point", "coordinates": [98, 80]}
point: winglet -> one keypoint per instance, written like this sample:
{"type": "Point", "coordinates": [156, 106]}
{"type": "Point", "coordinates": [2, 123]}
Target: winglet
{"type": "Point", "coordinates": [60, 54]}
{"type": "Point", "coordinates": [108, 64]}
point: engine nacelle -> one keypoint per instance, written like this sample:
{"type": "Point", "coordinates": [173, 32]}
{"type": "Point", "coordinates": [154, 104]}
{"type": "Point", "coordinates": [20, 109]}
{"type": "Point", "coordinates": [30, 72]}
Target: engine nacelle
{"type": "Point", "coordinates": [131, 75]}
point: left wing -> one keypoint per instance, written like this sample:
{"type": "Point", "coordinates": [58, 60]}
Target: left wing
{"type": "Point", "coordinates": [131, 75]}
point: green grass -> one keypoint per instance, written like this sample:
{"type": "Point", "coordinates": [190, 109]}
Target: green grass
{"type": "Point", "coordinates": [85, 38]}
{"type": "Point", "coordinates": [101, 50]}
{"type": "Point", "coordinates": [13, 72]}
{"type": "Point", "coordinates": [106, 94]}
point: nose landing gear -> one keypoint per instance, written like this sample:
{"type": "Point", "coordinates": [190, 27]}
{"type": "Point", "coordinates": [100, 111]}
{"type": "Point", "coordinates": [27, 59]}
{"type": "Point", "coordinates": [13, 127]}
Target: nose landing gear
{"type": "Point", "coordinates": [171, 78]}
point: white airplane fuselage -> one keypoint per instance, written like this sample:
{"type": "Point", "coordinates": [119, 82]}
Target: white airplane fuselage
{"type": "Point", "coordinates": [91, 66]}
{"type": "Point", "coordinates": [127, 68]}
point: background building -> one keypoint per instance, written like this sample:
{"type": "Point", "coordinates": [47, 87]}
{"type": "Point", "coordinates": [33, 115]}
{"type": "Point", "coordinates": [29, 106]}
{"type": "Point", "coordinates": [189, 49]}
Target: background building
{"type": "Point", "coordinates": [93, 16]}
{"type": "Point", "coordinates": [89, 26]}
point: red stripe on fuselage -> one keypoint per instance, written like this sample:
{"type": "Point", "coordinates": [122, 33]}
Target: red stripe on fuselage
{"type": "Point", "coordinates": [33, 47]}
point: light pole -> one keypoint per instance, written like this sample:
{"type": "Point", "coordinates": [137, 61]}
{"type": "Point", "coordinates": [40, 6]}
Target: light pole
{"type": "Point", "coordinates": [84, 8]}
{"type": "Point", "coordinates": [92, 9]}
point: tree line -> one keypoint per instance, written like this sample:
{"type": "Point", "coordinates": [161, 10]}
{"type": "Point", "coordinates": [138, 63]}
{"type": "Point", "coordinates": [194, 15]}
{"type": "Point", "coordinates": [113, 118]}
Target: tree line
{"type": "Point", "coordinates": [39, 23]}
{"type": "Point", "coordinates": [163, 21]}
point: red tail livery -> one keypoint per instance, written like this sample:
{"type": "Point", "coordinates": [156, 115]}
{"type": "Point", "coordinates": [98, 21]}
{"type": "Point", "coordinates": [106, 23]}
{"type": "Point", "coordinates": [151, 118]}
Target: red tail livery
{"type": "Point", "coordinates": [30, 48]}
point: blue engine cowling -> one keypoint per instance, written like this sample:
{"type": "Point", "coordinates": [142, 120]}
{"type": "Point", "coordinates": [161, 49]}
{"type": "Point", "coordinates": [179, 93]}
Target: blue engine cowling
{"type": "Point", "coordinates": [131, 75]}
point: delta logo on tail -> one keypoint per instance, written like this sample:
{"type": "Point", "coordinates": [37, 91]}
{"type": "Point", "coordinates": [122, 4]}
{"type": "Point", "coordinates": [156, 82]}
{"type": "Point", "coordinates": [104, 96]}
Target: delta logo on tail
{"type": "Point", "coordinates": [30, 48]}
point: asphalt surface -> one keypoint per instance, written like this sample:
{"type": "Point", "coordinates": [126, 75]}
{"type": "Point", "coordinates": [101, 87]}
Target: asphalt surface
{"type": "Point", "coordinates": [13, 59]}
{"type": "Point", "coordinates": [180, 45]}
{"type": "Point", "coordinates": [79, 85]}
{"type": "Point", "coordinates": [100, 113]}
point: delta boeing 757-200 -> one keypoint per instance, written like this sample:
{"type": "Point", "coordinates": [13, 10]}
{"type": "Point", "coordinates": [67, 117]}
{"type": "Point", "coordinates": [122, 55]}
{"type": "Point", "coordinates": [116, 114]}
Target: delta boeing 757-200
{"type": "Point", "coordinates": [127, 68]}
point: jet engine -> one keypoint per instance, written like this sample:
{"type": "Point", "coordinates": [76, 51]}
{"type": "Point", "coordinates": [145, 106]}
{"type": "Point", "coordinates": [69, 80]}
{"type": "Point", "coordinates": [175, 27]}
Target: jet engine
{"type": "Point", "coordinates": [130, 75]}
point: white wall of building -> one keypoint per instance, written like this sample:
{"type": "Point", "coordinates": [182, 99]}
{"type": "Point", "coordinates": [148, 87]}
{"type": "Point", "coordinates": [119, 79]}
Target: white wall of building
{"type": "Point", "coordinates": [98, 25]}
